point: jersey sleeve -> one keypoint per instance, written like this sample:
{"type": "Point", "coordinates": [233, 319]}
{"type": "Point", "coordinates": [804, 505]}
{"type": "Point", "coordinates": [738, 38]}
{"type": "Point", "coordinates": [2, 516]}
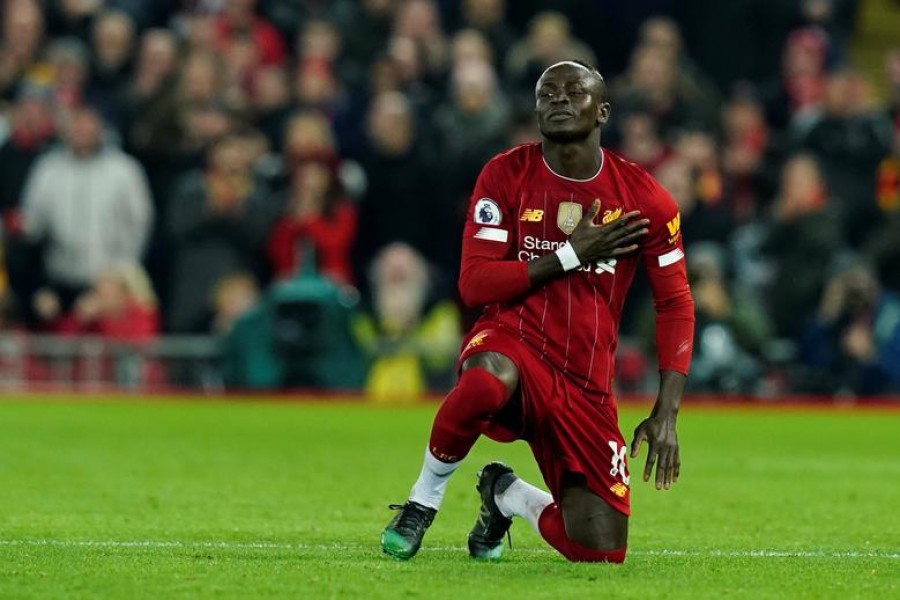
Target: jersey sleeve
{"type": "Point", "coordinates": [664, 259]}
{"type": "Point", "coordinates": [489, 271]}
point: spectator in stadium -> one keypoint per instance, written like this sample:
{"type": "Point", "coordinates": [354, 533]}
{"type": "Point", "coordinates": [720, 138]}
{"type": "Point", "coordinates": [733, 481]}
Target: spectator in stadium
{"type": "Point", "coordinates": [219, 220]}
{"type": "Point", "coordinates": [238, 23]}
{"type": "Point", "coordinates": [470, 45]}
{"type": "Point", "coordinates": [549, 40]}
{"type": "Point", "coordinates": [316, 87]}
{"type": "Point", "coordinates": [88, 204]}
{"type": "Point", "coordinates": [182, 124]}
{"type": "Point", "coordinates": [399, 202]}
{"type": "Point", "coordinates": [197, 28]}
{"type": "Point", "coordinates": [745, 155]}
{"type": "Point", "coordinates": [420, 22]}
{"type": "Point", "coordinates": [652, 84]}
{"type": "Point", "coordinates": [835, 17]}
{"type": "Point", "coordinates": [383, 77]}
{"type": "Point", "coordinates": [470, 129]}
{"type": "Point", "coordinates": [272, 105]}
{"type": "Point", "coordinates": [367, 32]}
{"type": "Point", "coordinates": [321, 40]}
{"type": "Point", "coordinates": [640, 141]}
{"type": "Point", "coordinates": [473, 125]}
{"type": "Point", "coordinates": [69, 69]}
{"type": "Point", "coordinates": [698, 148]}
{"type": "Point", "coordinates": [318, 218]}
{"type": "Point", "coordinates": [662, 34]}
{"type": "Point", "coordinates": [308, 136]}
{"type": "Point", "coordinates": [410, 76]}
{"type": "Point", "coordinates": [23, 33]}
{"type": "Point", "coordinates": [892, 72]}
{"type": "Point", "coordinates": [801, 89]}
{"type": "Point", "coordinates": [233, 296]}
{"type": "Point", "coordinates": [32, 130]}
{"type": "Point", "coordinates": [853, 344]}
{"type": "Point", "coordinates": [112, 46]}
{"type": "Point", "coordinates": [802, 240]}
{"type": "Point", "coordinates": [731, 331]}
{"type": "Point", "coordinates": [850, 137]}
{"type": "Point", "coordinates": [120, 305]}
{"type": "Point", "coordinates": [888, 178]}
{"type": "Point", "coordinates": [410, 337]}
{"type": "Point", "coordinates": [151, 82]}
{"type": "Point", "coordinates": [488, 17]}
{"type": "Point", "coordinates": [701, 220]}
{"type": "Point", "coordinates": [155, 67]}
{"type": "Point", "coordinates": [241, 60]}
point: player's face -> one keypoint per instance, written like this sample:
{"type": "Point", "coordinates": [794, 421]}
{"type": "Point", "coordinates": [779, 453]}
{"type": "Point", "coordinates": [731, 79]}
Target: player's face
{"type": "Point", "coordinates": [569, 104]}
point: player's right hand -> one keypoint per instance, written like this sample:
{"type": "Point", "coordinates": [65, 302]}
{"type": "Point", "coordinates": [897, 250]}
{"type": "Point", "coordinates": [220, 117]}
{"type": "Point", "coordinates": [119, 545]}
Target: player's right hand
{"type": "Point", "coordinates": [593, 242]}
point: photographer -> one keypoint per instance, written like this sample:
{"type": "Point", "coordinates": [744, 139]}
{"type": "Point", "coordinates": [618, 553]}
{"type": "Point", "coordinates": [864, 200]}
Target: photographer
{"type": "Point", "coordinates": [853, 346]}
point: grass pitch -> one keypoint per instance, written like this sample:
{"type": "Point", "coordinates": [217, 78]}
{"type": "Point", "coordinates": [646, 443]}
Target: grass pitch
{"type": "Point", "coordinates": [169, 499]}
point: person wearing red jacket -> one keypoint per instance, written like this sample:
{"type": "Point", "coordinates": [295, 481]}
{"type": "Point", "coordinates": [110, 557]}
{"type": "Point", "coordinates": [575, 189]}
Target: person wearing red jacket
{"type": "Point", "coordinates": [318, 218]}
{"type": "Point", "coordinates": [239, 21]}
{"type": "Point", "coordinates": [554, 235]}
{"type": "Point", "coordinates": [120, 306]}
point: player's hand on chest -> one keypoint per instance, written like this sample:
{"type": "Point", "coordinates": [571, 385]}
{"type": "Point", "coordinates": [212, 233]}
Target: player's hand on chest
{"type": "Point", "coordinates": [601, 231]}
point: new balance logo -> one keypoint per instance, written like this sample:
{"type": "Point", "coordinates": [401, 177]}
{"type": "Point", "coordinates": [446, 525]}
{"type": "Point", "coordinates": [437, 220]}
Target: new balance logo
{"type": "Point", "coordinates": [532, 215]}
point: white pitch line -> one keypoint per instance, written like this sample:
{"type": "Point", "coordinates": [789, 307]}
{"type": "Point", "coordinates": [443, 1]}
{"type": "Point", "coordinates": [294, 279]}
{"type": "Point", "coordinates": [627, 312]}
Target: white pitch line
{"type": "Point", "coordinates": [225, 545]}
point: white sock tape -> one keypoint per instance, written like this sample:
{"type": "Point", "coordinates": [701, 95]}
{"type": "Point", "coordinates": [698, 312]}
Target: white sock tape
{"type": "Point", "coordinates": [567, 257]}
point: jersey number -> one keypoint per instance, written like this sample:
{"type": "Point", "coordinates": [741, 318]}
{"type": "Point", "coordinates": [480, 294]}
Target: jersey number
{"type": "Point", "coordinates": [600, 267]}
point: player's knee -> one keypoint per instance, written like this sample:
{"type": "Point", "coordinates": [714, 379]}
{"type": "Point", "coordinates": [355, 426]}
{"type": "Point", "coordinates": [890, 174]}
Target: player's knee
{"type": "Point", "coordinates": [497, 365]}
{"type": "Point", "coordinates": [591, 522]}
{"type": "Point", "coordinates": [594, 538]}
{"type": "Point", "coordinates": [478, 395]}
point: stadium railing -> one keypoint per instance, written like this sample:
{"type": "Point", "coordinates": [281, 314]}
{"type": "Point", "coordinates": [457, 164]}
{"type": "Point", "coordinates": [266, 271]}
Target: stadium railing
{"type": "Point", "coordinates": [52, 362]}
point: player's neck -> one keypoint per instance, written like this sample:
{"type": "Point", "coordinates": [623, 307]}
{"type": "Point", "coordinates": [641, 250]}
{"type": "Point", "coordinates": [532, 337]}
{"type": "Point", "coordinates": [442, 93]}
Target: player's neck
{"type": "Point", "coordinates": [575, 160]}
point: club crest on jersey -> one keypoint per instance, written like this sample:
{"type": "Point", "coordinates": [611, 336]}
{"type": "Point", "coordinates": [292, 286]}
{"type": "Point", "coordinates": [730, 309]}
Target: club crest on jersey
{"type": "Point", "coordinates": [567, 216]}
{"type": "Point", "coordinates": [487, 212]}
{"type": "Point", "coordinates": [611, 215]}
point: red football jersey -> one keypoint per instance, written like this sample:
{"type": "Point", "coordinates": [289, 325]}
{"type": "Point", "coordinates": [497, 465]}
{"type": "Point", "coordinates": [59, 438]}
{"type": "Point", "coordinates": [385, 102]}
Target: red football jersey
{"type": "Point", "coordinates": [521, 210]}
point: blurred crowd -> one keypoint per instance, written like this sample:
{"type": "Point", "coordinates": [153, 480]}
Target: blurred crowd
{"type": "Point", "coordinates": [292, 175]}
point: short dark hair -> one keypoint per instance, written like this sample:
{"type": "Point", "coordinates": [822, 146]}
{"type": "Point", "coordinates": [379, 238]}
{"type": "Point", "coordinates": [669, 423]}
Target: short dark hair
{"type": "Point", "coordinates": [590, 68]}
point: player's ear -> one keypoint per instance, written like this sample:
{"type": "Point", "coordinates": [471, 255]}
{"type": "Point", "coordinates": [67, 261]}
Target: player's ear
{"type": "Point", "coordinates": [603, 111]}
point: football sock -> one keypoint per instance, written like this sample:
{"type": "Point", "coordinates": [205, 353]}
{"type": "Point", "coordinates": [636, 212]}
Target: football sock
{"type": "Point", "coordinates": [521, 499]}
{"type": "Point", "coordinates": [432, 482]}
{"type": "Point", "coordinates": [553, 530]}
{"type": "Point", "coordinates": [464, 414]}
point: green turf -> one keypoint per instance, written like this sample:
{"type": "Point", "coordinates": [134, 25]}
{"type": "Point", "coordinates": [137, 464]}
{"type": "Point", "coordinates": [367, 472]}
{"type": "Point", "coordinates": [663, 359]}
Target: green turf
{"type": "Point", "coordinates": [173, 499]}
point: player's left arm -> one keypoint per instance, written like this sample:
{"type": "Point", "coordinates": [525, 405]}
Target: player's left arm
{"type": "Point", "coordinates": [664, 259]}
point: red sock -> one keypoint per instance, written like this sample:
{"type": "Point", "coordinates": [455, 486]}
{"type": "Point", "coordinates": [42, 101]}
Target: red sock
{"type": "Point", "coordinates": [463, 414]}
{"type": "Point", "coordinates": [553, 530]}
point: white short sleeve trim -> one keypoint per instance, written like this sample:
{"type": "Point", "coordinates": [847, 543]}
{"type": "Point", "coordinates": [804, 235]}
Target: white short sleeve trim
{"type": "Point", "coordinates": [492, 235]}
{"type": "Point", "coordinates": [670, 258]}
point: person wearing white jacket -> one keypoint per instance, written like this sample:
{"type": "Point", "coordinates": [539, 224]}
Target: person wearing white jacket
{"type": "Point", "coordinates": [88, 204]}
